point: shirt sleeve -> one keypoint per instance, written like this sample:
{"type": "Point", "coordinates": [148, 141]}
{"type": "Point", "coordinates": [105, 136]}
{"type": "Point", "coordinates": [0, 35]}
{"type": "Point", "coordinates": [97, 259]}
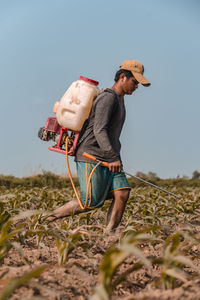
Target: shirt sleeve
{"type": "Point", "coordinates": [103, 112]}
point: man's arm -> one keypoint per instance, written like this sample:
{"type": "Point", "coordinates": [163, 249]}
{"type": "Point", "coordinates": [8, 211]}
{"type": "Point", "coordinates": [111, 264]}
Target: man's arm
{"type": "Point", "coordinates": [103, 111]}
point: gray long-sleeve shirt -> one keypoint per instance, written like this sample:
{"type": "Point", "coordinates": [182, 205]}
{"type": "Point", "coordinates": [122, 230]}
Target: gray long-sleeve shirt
{"type": "Point", "coordinates": [101, 135]}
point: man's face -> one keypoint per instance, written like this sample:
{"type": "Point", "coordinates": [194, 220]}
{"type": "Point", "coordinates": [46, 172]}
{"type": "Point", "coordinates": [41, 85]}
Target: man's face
{"type": "Point", "coordinates": [129, 85]}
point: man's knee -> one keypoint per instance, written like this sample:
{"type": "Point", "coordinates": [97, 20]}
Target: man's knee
{"type": "Point", "coordinates": [122, 194]}
{"type": "Point", "coordinates": [126, 194]}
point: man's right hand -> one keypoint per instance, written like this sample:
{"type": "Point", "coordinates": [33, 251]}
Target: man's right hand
{"type": "Point", "coordinates": [115, 166]}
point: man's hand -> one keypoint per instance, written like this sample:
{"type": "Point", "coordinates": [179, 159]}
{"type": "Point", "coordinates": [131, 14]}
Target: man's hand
{"type": "Point", "coordinates": [115, 166]}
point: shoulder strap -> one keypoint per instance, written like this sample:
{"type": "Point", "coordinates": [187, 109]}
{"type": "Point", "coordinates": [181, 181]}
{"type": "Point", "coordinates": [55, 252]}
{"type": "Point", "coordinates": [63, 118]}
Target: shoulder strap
{"type": "Point", "coordinates": [81, 135]}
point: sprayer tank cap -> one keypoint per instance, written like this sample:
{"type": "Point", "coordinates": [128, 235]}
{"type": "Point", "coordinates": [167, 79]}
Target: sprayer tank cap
{"type": "Point", "coordinates": [89, 80]}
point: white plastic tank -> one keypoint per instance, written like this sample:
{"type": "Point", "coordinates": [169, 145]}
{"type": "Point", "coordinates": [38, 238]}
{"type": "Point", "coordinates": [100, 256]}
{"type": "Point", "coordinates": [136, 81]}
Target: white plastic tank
{"type": "Point", "coordinates": [75, 105]}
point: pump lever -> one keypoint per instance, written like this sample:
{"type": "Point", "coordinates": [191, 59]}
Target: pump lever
{"type": "Point", "coordinates": [105, 164]}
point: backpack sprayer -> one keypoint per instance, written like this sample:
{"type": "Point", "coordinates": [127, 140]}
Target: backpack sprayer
{"type": "Point", "coordinates": [71, 112]}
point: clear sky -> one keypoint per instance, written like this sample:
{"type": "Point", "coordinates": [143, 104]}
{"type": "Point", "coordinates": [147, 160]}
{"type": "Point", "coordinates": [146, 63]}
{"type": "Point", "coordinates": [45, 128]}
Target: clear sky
{"type": "Point", "coordinates": [48, 44]}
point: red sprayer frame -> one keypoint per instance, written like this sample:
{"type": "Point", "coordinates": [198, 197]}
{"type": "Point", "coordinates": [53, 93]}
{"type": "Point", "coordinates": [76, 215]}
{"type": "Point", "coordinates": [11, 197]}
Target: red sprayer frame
{"type": "Point", "coordinates": [53, 126]}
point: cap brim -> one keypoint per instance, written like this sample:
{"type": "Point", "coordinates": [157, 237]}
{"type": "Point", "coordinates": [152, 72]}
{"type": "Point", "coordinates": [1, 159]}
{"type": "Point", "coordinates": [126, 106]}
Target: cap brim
{"type": "Point", "coordinates": [141, 79]}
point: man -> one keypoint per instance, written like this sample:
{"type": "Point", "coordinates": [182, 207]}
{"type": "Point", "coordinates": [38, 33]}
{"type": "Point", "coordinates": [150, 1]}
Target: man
{"type": "Point", "coordinates": [100, 138]}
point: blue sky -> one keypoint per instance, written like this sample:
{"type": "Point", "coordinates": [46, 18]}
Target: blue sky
{"type": "Point", "coordinates": [46, 45]}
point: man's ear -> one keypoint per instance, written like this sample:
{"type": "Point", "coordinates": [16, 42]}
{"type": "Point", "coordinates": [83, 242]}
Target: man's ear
{"type": "Point", "coordinates": [122, 76]}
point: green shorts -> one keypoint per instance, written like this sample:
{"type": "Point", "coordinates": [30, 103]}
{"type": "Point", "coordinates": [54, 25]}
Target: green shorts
{"type": "Point", "coordinates": [103, 183]}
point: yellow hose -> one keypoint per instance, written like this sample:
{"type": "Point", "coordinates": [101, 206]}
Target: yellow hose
{"type": "Point", "coordinates": [88, 183]}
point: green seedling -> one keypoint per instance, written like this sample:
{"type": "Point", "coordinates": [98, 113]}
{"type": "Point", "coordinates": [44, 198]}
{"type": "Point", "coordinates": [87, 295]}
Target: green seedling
{"type": "Point", "coordinates": [15, 283]}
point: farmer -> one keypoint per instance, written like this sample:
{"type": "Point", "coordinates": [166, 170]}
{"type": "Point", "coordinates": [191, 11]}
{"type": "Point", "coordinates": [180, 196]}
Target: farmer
{"type": "Point", "coordinates": [100, 138]}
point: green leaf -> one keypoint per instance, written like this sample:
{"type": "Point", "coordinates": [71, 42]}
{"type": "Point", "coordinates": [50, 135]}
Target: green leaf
{"type": "Point", "coordinates": [17, 282]}
{"type": "Point", "coordinates": [185, 261]}
{"type": "Point", "coordinates": [100, 293]}
{"type": "Point", "coordinates": [112, 259]}
{"type": "Point", "coordinates": [131, 249]}
{"type": "Point", "coordinates": [173, 241]}
{"type": "Point", "coordinates": [176, 274]}
{"type": "Point", "coordinates": [26, 214]}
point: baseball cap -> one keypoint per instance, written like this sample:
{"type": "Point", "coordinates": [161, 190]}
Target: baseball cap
{"type": "Point", "coordinates": [137, 69]}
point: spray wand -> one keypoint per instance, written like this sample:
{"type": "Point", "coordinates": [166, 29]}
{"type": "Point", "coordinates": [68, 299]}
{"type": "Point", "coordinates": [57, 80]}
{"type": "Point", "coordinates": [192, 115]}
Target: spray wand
{"type": "Point", "coordinates": [105, 164]}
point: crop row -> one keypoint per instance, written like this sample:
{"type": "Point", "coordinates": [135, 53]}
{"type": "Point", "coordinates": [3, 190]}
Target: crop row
{"type": "Point", "coordinates": [151, 218]}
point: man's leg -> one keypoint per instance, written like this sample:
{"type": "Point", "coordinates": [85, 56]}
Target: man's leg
{"type": "Point", "coordinates": [71, 207]}
{"type": "Point", "coordinates": [117, 208]}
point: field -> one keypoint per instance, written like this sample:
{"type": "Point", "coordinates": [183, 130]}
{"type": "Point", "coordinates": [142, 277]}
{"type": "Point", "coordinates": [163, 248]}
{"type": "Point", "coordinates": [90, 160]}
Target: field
{"type": "Point", "coordinates": [153, 254]}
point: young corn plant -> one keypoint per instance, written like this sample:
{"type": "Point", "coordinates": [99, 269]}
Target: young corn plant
{"type": "Point", "coordinates": [4, 247]}
{"type": "Point", "coordinates": [173, 263]}
{"type": "Point", "coordinates": [4, 214]}
{"type": "Point", "coordinates": [16, 283]}
{"type": "Point", "coordinates": [114, 257]}
{"type": "Point", "coordinates": [9, 237]}
{"type": "Point", "coordinates": [66, 246]}
{"type": "Point", "coordinates": [6, 234]}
